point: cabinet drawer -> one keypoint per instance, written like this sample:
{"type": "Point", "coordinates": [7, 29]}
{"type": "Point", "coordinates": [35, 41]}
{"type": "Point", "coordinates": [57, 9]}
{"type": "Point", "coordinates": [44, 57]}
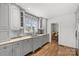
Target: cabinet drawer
{"type": "Point", "coordinates": [6, 50]}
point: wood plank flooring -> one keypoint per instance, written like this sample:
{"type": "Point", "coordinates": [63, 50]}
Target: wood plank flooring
{"type": "Point", "coordinates": [54, 50]}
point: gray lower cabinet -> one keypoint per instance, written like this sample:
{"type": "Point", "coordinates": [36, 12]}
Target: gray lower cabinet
{"type": "Point", "coordinates": [6, 50]}
{"type": "Point", "coordinates": [39, 41]}
{"type": "Point", "coordinates": [23, 47]}
{"type": "Point", "coordinates": [45, 38]}
{"type": "Point", "coordinates": [28, 46]}
{"type": "Point", "coordinates": [18, 48]}
{"type": "Point", "coordinates": [36, 43]}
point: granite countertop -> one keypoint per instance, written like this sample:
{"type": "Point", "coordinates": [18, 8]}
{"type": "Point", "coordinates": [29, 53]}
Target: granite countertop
{"type": "Point", "coordinates": [15, 40]}
{"type": "Point", "coordinates": [19, 39]}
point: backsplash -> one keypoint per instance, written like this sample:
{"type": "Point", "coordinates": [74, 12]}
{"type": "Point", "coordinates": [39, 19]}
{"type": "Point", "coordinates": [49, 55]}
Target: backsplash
{"type": "Point", "coordinates": [16, 33]}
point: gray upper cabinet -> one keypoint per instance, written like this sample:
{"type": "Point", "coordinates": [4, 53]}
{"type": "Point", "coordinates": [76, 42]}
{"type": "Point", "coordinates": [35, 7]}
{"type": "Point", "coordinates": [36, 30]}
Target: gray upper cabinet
{"type": "Point", "coordinates": [6, 50]}
{"type": "Point", "coordinates": [9, 20]}
{"type": "Point", "coordinates": [14, 15]}
{"type": "Point", "coordinates": [4, 22]}
{"type": "Point", "coordinates": [4, 15]}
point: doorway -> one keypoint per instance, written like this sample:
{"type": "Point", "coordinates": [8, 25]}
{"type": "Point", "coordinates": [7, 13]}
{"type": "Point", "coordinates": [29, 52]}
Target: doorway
{"type": "Point", "coordinates": [54, 32]}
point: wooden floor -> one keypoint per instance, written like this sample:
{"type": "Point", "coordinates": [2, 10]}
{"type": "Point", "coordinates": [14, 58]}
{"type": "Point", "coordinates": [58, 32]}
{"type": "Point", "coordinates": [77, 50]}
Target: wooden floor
{"type": "Point", "coordinates": [54, 50]}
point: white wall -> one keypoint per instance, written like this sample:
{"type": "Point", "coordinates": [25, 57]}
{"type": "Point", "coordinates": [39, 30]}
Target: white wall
{"type": "Point", "coordinates": [66, 29]}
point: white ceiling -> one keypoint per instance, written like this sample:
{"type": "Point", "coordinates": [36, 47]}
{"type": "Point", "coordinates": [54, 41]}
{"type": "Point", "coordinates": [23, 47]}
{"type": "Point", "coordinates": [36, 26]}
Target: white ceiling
{"type": "Point", "coordinates": [49, 10]}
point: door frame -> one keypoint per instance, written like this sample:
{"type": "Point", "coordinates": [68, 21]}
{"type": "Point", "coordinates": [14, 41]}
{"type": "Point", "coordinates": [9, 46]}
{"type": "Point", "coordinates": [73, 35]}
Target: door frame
{"type": "Point", "coordinates": [51, 31]}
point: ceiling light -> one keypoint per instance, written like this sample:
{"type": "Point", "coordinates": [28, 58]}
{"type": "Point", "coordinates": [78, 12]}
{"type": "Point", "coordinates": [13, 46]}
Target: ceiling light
{"type": "Point", "coordinates": [28, 8]}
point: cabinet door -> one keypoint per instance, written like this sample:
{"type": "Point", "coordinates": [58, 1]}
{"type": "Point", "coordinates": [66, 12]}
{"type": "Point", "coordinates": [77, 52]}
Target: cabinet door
{"type": "Point", "coordinates": [4, 15]}
{"type": "Point", "coordinates": [45, 39]}
{"type": "Point", "coordinates": [27, 46]}
{"type": "Point", "coordinates": [14, 17]}
{"type": "Point", "coordinates": [36, 43]}
{"type": "Point", "coordinates": [4, 22]}
{"type": "Point", "coordinates": [6, 50]}
{"type": "Point", "coordinates": [41, 40]}
{"type": "Point", "coordinates": [17, 48]}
